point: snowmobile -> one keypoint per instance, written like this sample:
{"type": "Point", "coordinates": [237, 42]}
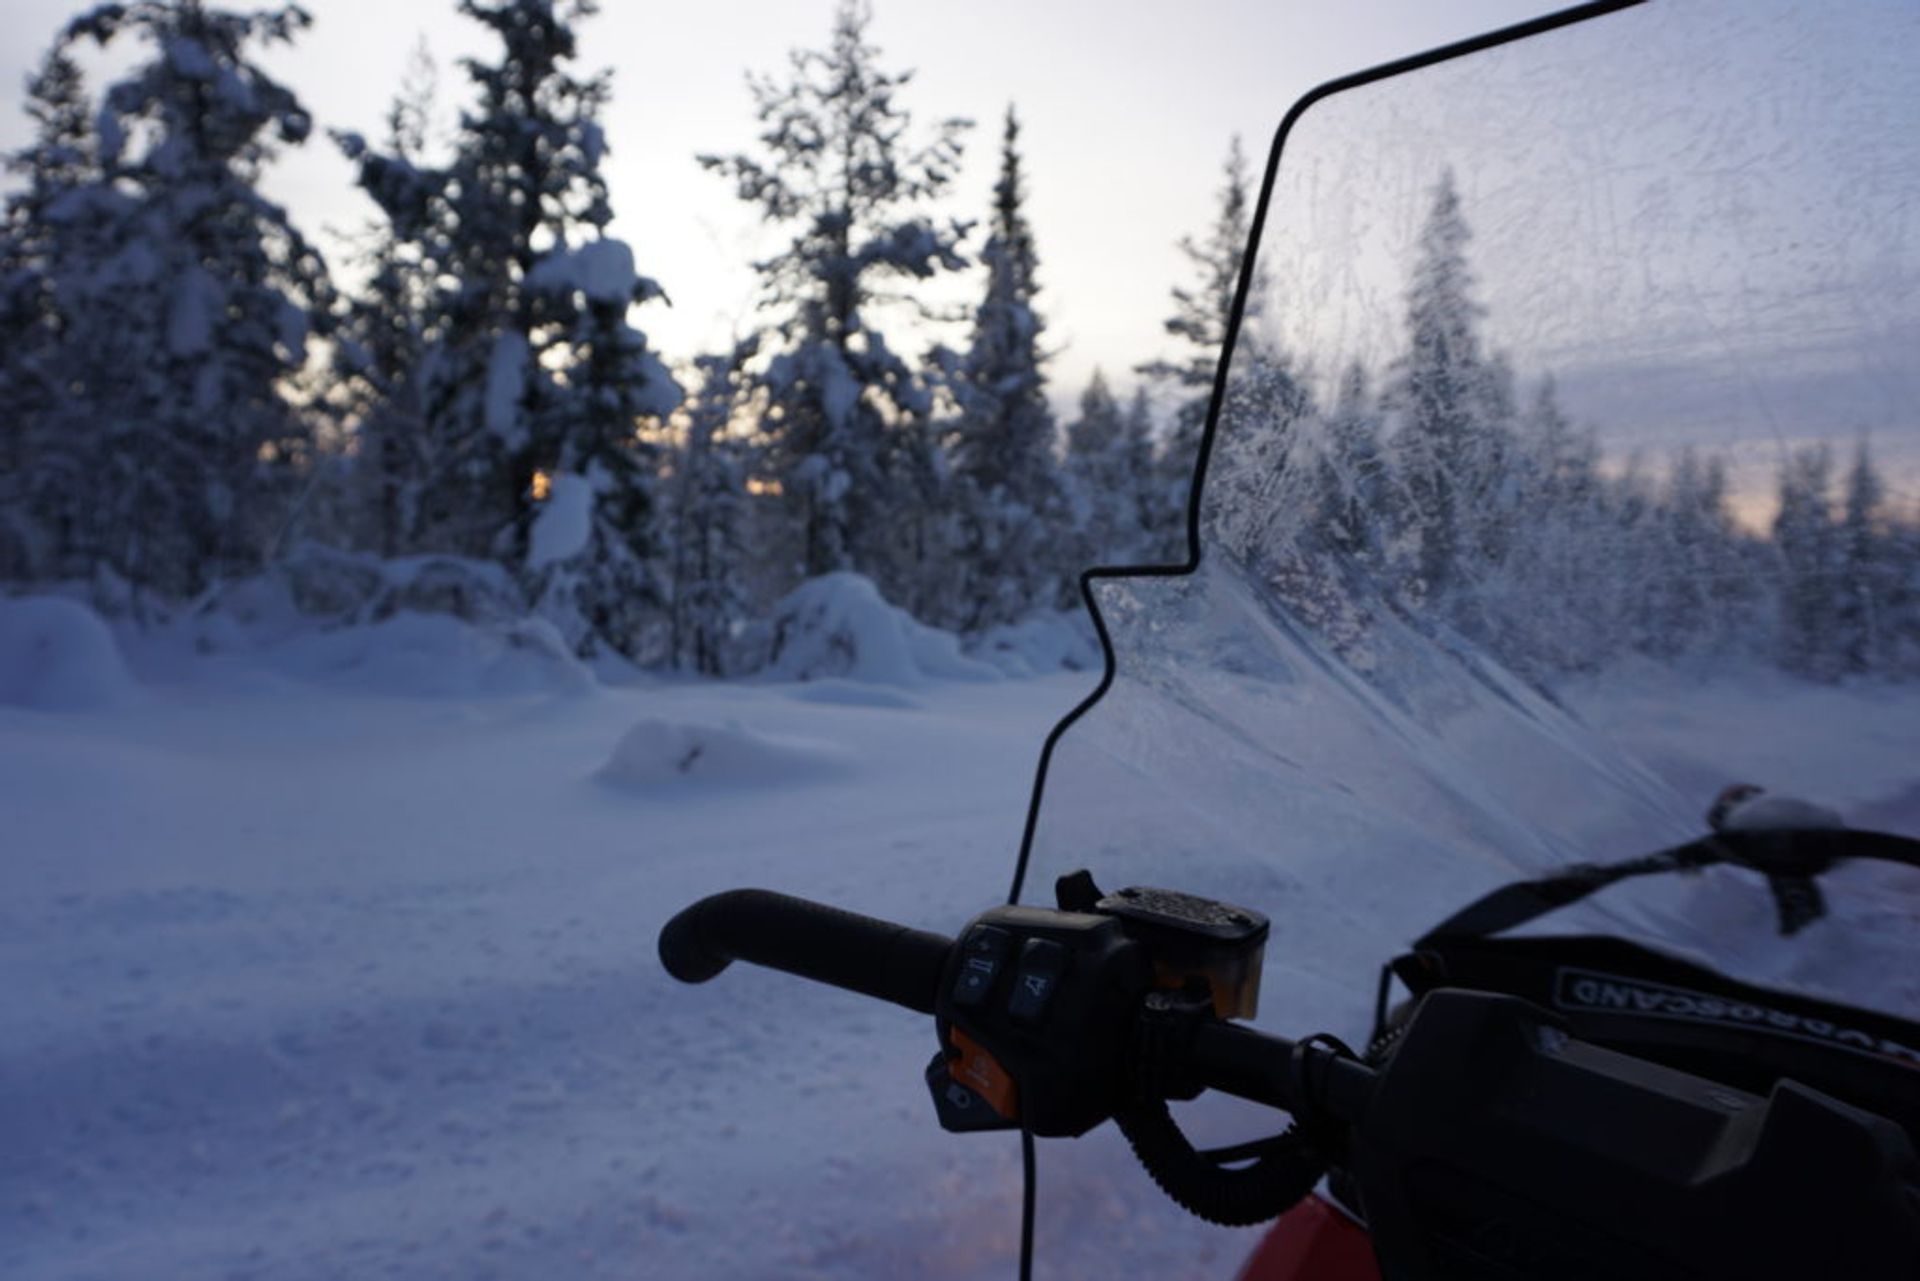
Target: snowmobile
{"type": "Point", "coordinates": [1442, 648]}
{"type": "Point", "coordinates": [1541, 1107]}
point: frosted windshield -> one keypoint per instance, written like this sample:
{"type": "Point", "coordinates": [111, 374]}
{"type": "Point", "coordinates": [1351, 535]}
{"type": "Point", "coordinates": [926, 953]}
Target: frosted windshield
{"type": "Point", "coordinates": [1569, 472]}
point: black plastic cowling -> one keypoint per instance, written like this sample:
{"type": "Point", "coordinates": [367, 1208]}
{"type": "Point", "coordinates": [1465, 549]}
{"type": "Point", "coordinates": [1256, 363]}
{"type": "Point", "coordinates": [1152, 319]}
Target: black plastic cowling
{"type": "Point", "coordinates": [826, 944]}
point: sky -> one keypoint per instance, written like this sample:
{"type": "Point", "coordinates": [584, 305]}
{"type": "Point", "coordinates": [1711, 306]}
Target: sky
{"type": "Point", "coordinates": [1699, 218]}
{"type": "Point", "coordinates": [1127, 108]}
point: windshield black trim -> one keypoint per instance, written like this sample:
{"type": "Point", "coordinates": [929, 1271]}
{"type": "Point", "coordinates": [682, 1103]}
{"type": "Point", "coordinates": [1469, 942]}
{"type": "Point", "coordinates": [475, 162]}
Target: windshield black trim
{"type": "Point", "coordinates": [1445, 53]}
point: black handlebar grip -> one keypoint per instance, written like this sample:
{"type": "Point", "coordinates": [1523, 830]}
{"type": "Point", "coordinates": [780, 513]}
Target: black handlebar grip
{"type": "Point", "coordinates": [873, 957]}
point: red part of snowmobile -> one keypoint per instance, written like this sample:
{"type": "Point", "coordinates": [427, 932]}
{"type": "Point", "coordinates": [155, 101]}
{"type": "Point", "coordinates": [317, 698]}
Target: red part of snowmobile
{"type": "Point", "coordinates": [1314, 1241]}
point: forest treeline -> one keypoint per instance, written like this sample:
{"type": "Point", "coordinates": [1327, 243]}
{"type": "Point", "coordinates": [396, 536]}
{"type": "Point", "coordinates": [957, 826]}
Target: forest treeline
{"type": "Point", "coordinates": [193, 398]}
{"type": "Point", "coordinates": [1437, 491]}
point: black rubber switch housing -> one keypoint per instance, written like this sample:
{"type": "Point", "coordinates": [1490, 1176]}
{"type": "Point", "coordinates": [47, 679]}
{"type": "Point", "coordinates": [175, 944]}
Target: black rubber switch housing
{"type": "Point", "coordinates": [983, 951]}
{"type": "Point", "coordinates": [1042, 962]}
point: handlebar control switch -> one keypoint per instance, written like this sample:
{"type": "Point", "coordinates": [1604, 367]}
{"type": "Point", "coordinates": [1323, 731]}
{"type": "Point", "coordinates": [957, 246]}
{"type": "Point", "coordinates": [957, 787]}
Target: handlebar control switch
{"type": "Point", "coordinates": [983, 952]}
{"type": "Point", "coordinates": [971, 1091]}
{"type": "Point", "coordinates": [1042, 962]}
{"type": "Point", "coordinates": [1035, 1021]}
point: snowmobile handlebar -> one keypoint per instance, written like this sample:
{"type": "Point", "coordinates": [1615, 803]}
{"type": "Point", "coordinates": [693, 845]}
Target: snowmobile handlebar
{"type": "Point", "coordinates": [812, 940]}
{"type": "Point", "coordinates": [1055, 1021]}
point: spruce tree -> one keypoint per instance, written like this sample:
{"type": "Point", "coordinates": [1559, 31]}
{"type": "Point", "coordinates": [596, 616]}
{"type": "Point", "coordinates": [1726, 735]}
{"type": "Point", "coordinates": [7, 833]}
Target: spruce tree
{"type": "Point", "coordinates": [1805, 543]}
{"type": "Point", "coordinates": [1682, 565]}
{"type": "Point", "coordinates": [51, 227]}
{"type": "Point", "coordinates": [1010, 505]}
{"type": "Point", "coordinates": [709, 517]}
{"type": "Point", "coordinates": [385, 332]}
{"type": "Point", "coordinates": [1353, 505]}
{"type": "Point", "coordinates": [592, 546]}
{"type": "Point", "coordinates": [1144, 535]}
{"type": "Point", "coordinates": [1203, 311]}
{"type": "Point", "coordinates": [1865, 582]}
{"type": "Point", "coordinates": [1446, 393]}
{"type": "Point", "coordinates": [532, 387]}
{"type": "Point", "coordinates": [846, 414]}
{"type": "Point", "coordinates": [190, 308]}
{"type": "Point", "coordinates": [1107, 474]}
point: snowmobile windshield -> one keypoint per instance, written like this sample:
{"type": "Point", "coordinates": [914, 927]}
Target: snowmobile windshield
{"type": "Point", "coordinates": [1566, 471]}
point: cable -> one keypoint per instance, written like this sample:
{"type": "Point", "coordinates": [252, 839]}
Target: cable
{"type": "Point", "coordinates": [1027, 1166]}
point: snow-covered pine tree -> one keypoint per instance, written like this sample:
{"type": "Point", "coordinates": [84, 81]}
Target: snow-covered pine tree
{"type": "Point", "coordinates": [1354, 499]}
{"type": "Point", "coordinates": [1148, 541]}
{"type": "Point", "coordinates": [1866, 574]}
{"type": "Point", "coordinates": [1202, 312]}
{"type": "Point", "coordinates": [182, 325]}
{"type": "Point", "coordinates": [838, 171]}
{"type": "Point", "coordinates": [1807, 545]}
{"type": "Point", "coordinates": [1015, 553]}
{"type": "Point", "coordinates": [533, 385]}
{"type": "Point", "coordinates": [708, 519]}
{"type": "Point", "coordinates": [1899, 612]}
{"type": "Point", "coordinates": [1110, 477]}
{"type": "Point", "coordinates": [1560, 580]}
{"type": "Point", "coordinates": [1447, 396]}
{"type": "Point", "coordinates": [591, 551]}
{"type": "Point", "coordinates": [1258, 491]}
{"type": "Point", "coordinates": [1665, 580]}
{"type": "Point", "coordinates": [383, 335]}
{"type": "Point", "coordinates": [46, 235]}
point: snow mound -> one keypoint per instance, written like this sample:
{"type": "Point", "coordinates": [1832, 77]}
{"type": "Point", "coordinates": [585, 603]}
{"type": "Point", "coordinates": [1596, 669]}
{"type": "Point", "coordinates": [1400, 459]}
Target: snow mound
{"type": "Point", "coordinates": [421, 626]}
{"type": "Point", "coordinates": [435, 655]}
{"type": "Point", "coordinates": [840, 625]}
{"type": "Point", "coordinates": [57, 656]}
{"type": "Point", "coordinates": [332, 588]}
{"type": "Point", "coordinates": [1046, 642]}
{"type": "Point", "coordinates": [656, 752]}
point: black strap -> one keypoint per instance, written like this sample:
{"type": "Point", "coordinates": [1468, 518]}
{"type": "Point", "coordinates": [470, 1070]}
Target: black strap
{"type": "Point", "coordinates": [1790, 859]}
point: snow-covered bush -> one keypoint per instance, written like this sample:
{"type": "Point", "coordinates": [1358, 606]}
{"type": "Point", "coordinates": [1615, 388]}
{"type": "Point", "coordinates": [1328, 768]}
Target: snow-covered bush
{"type": "Point", "coordinates": [435, 656]}
{"type": "Point", "coordinates": [1050, 641]}
{"type": "Point", "coordinates": [334, 588]}
{"type": "Point", "coordinates": [840, 625]}
{"type": "Point", "coordinates": [56, 655]}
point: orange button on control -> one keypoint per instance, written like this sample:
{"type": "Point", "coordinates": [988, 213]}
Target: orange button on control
{"type": "Point", "coordinates": [980, 1072]}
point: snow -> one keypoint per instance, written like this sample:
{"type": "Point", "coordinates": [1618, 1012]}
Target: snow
{"type": "Point", "coordinates": [329, 956]}
{"type": "Point", "coordinates": [840, 625]}
{"type": "Point", "coordinates": [307, 980]}
{"type": "Point", "coordinates": [657, 752]}
{"type": "Point", "coordinates": [434, 656]}
{"type": "Point", "coordinates": [1048, 641]}
{"type": "Point", "coordinates": [506, 386]}
{"type": "Point", "coordinates": [846, 693]}
{"type": "Point", "coordinates": [189, 58]}
{"type": "Point", "coordinates": [822, 365]}
{"type": "Point", "coordinates": [565, 523]}
{"type": "Point", "coordinates": [601, 269]}
{"type": "Point", "coordinates": [57, 656]}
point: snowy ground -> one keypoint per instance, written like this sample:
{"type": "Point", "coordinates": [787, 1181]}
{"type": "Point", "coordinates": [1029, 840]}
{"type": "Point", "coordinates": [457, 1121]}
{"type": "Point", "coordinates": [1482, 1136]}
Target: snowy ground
{"type": "Point", "coordinates": [310, 978]}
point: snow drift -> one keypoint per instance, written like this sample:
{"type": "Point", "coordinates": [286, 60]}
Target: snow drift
{"type": "Point", "coordinates": [434, 655]}
{"type": "Point", "coordinates": [840, 625]}
{"type": "Point", "coordinates": [1048, 641]}
{"type": "Point", "coordinates": [432, 626]}
{"type": "Point", "coordinates": [56, 655]}
{"type": "Point", "coordinates": [656, 752]}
